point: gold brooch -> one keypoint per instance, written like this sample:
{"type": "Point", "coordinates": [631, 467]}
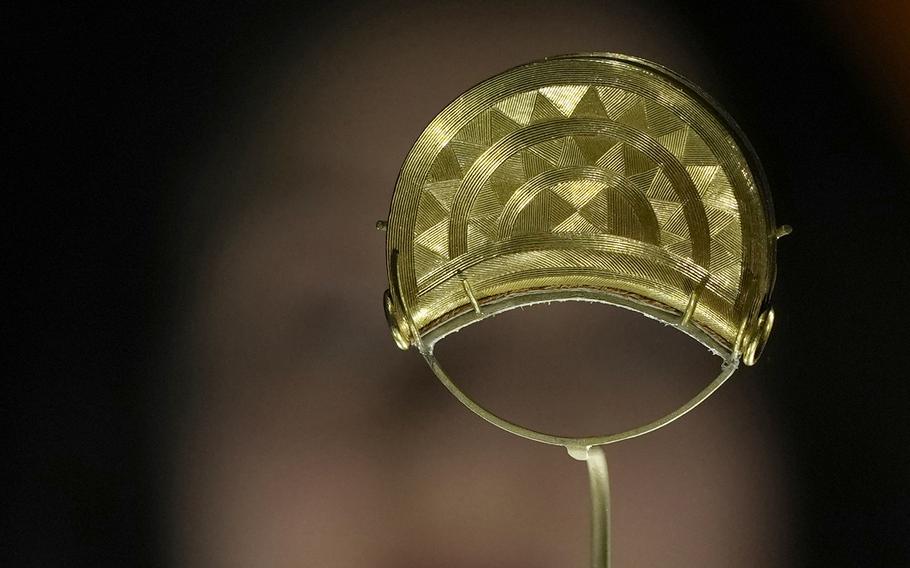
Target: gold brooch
{"type": "Point", "coordinates": [595, 177]}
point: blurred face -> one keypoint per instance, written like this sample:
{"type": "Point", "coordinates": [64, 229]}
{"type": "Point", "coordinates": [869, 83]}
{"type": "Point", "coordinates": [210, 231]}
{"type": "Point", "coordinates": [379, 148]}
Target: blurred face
{"type": "Point", "coordinates": [311, 440]}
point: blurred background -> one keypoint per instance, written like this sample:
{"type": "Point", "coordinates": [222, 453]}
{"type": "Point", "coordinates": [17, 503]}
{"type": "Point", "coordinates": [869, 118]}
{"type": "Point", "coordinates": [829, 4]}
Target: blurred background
{"type": "Point", "coordinates": [214, 383]}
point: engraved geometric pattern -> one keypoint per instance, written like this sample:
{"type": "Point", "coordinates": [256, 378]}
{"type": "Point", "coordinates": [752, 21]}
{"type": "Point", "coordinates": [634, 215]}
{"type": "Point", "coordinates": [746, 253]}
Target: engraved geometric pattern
{"type": "Point", "coordinates": [589, 172]}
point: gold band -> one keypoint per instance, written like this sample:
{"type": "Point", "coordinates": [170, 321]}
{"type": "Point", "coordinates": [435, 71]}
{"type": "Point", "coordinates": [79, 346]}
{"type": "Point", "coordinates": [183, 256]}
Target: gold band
{"type": "Point", "coordinates": [571, 443]}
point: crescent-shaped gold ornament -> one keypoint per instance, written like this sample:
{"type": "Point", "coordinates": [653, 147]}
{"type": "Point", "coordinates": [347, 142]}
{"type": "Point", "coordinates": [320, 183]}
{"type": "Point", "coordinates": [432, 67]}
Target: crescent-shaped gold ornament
{"type": "Point", "coordinates": [595, 177]}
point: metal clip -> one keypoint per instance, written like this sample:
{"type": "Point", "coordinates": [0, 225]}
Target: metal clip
{"type": "Point", "coordinates": [694, 296]}
{"type": "Point", "coordinates": [469, 292]}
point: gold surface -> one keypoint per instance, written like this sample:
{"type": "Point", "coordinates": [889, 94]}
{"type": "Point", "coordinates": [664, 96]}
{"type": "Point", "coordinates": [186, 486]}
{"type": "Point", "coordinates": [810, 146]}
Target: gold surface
{"type": "Point", "coordinates": [600, 173]}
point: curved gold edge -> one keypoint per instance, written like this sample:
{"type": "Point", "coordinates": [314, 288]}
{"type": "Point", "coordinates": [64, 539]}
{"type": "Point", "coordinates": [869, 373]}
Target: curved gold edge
{"type": "Point", "coordinates": [758, 337]}
{"type": "Point", "coordinates": [582, 243]}
{"type": "Point", "coordinates": [397, 312]}
{"type": "Point", "coordinates": [571, 443]}
{"type": "Point", "coordinates": [492, 307]}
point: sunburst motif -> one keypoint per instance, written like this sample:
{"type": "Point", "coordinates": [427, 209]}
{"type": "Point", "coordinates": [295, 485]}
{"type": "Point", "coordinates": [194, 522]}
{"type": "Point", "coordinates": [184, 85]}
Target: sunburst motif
{"type": "Point", "coordinates": [619, 152]}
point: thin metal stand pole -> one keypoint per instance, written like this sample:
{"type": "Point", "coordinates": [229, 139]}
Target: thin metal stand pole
{"type": "Point", "coordinates": [600, 507]}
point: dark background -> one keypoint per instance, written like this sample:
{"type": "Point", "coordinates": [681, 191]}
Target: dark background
{"type": "Point", "coordinates": [122, 114]}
